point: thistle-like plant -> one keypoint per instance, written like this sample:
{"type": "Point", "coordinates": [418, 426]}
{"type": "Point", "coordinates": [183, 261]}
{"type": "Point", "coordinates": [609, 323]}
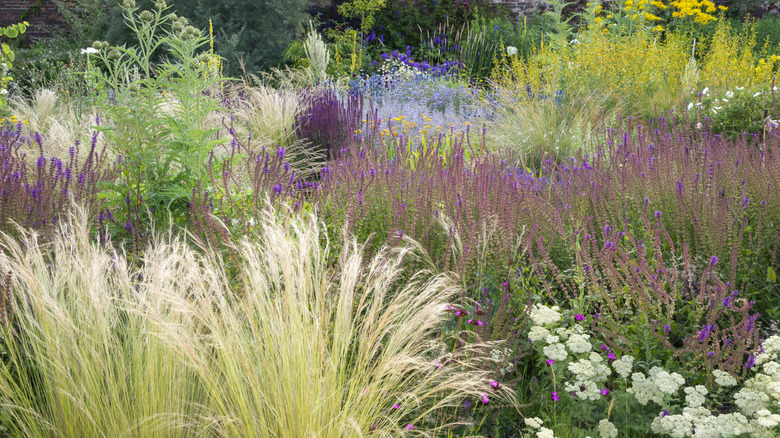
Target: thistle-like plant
{"type": "Point", "coordinates": [154, 115]}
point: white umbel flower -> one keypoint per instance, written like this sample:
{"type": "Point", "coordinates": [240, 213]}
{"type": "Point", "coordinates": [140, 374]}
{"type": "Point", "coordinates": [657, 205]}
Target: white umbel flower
{"type": "Point", "coordinates": [607, 429]}
{"type": "Point", "coordinates": [623, 366]}
{"type": "Point", "coordinates": [555, 352]}
{"type": "Point", "coordinates": [579, 343]}
{"type": "Point", "coordinates": [543, 315]}
{"type": "Point", "coordinates": [537, 333]}
{"type": "Point", "coordinates": [723, 378]}
{"type": "Point", "coordinates": [545, 433]}
{"type": "Point", "coordinates": [534, 423]}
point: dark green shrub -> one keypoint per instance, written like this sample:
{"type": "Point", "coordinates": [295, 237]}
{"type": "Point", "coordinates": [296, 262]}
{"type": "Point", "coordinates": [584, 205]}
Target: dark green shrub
{"type": "Point", "coordinates": [255, 32]}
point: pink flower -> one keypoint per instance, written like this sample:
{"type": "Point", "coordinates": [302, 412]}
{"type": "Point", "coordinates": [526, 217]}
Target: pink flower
{"type": "Point", "coordinates": [484, 398]}
{"type": "Point", "coordinates": [476, 322]}
{"type": "Point", "coordinates": [409, 427]}
{"type": "Point", "coordinates": [549, 362]}
{"type": "Point", "coordinates": [578, 317]}
{"type": "Point", "coordinates": [495, 385]}
{"type": "Point", "coordinates": [604, 391]}
{"type": "Point", "coordinates": [396, 406]}
{"type": "Point", "coordinates": [555, 396]}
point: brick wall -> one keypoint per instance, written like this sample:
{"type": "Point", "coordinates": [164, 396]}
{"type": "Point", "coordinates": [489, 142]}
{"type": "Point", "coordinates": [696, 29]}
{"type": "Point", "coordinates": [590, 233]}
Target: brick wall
{"type": "Point", "coordinates": [41, 14]}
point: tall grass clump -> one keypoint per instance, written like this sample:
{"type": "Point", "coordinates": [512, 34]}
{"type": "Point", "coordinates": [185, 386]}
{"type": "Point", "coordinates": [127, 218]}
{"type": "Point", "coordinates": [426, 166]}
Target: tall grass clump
{"type": "Point", "coordinates": [178, 347]}
{"type": "Point", "coordinates": [92, 350]}
{"type": "Point", "coordinates": [361, 341]}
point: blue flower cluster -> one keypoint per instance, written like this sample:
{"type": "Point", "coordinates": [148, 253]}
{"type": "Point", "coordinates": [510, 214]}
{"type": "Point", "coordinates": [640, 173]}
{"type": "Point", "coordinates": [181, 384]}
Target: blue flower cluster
{"type": "Point", "coordinates": [407, 59]}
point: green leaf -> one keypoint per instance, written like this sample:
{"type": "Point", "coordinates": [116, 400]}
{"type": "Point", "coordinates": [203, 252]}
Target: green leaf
{"type": "Point", "coordinates": [11, 32]}
{"type": "Point", "coordinates": [771, 275]}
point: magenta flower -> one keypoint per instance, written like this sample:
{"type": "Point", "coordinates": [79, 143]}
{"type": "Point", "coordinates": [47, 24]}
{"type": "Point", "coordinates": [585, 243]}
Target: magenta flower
{"type": "Point", "coordinates": [549, 362]}
{"type": "Point", "coordinates": [579, 317]}
{"type": "Point", "coordinates": [484, 398]}
{"type": "Point", "coordinates": [554, 396]}
{"type": "Point", "coordinates": [476, 322]}
{"type": "Point", "coordinates": [495, 385]}
{"type": "Point", "coordinates": [604, 391]}
{"type": "Point", "coordinates": [409, 427]}
{"type": "Point", "coordinates": [396, 406]}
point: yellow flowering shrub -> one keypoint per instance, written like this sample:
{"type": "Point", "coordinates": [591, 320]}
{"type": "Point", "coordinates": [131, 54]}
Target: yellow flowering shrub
{"type": "Point", "coordinates": [637, 73]}
{"type": "Point", "coordinates": [730, 60]}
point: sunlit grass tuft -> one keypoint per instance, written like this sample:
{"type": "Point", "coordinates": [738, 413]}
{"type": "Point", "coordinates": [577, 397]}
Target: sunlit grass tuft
{"type": "Point", "coordinates": [177, 348]}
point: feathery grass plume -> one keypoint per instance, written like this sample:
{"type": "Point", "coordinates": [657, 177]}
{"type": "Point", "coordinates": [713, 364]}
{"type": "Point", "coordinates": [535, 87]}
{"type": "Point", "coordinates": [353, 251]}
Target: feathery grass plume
{"type": "Point", "coordinates": [316, 52]}
{"type": "Point", "coordinates": [93, 348]}
{"type": "Point", "coordinates": [45, 113]}
{"type": "Point", "coordinates": [268, 114]}
{"type": "Point", "coordinates": [302, 352]}
{"type": "Point", "coordinates": [179, 348]}
{"type": "Point", "coordinates": [541, 127]}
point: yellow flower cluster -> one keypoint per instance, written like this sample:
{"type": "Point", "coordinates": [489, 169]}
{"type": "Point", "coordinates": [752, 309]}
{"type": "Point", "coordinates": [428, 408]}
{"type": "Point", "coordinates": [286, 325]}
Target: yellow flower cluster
{"type": "Point", "coordinates": [700, 10]}
{"type": "Point", "coordinates": [13, 120]}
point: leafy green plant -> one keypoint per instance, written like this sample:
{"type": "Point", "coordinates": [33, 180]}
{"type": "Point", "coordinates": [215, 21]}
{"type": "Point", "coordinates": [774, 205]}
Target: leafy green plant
{"type": "Point", "coordinates": [156, 115]}
{"type": "Point", "coordinates": [7, 57]}
{"type": "Point", "coordinates": [740, 111]}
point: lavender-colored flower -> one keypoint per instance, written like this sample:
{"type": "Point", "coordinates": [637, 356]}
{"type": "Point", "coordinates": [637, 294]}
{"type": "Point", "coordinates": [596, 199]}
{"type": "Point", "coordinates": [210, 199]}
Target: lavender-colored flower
{"type": "Point", "coordinates": [657, 214]}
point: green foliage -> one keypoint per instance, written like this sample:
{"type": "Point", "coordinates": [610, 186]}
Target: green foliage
{"type": "Point", "coordinates": [739, 111]}
{"type": "Point", "coordinates": [363, 9]}
{"type": "Point", "coordinates": [156, 115]}
{"type": "Point", "coordinates": [7, 57]}
{"type": "Point", "coordinates": [254, 32]}
{"type": "Point", "coordinates": [402, 23]}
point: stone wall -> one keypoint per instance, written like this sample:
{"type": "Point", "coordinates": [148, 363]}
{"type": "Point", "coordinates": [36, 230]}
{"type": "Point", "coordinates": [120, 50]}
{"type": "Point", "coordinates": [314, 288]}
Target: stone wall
{"type": "Point", "coordinates": [41, 14]}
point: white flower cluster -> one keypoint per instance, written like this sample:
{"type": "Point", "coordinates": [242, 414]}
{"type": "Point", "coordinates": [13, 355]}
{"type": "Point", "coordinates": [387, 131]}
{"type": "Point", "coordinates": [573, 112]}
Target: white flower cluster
{"type": "Point", "coordinates": [543, 315]}
{"type": "Point", "coordinates": [578, 343]}
{"type": "Point", "coordinates": [589, 376]}
{"type": "Point", "coordinates": [607, 429]}
{"type": "Point", "coordinates": [723, 378]}
{"type": "Point", "coordinates": [623, 366]}
{"type": "Point", "coordinates": [758, 399]}
{"type": "Point", "coordinates": [537, 333]}
{"type": "Point", "coordinates": [534, 423]}
{"type": "Point", "coordinates": [657, 387]}
{"type": "Point", "coordinates": [501, 356]}
{"type": "Point", "coordinates": [556, 352]}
